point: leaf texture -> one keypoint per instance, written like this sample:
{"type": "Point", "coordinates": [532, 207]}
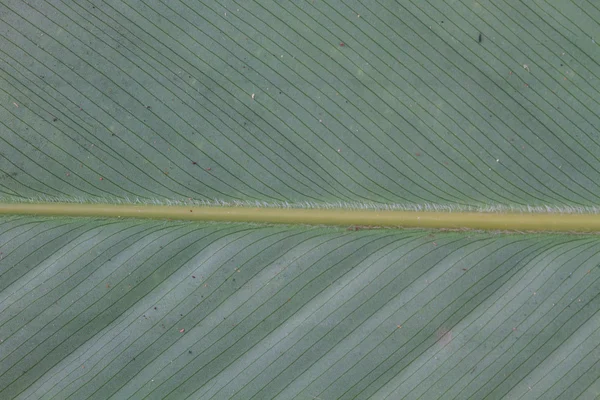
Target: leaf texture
{"type": "Point", "coordinates": [451, 105]}
{"type": "Point", "coordinates": [128, 309]}
{"type": "Point", "coordinates": [386, 102]}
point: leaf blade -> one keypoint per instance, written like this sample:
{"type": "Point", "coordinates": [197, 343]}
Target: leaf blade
{"type": "Point", "coordinates": [313, 311]}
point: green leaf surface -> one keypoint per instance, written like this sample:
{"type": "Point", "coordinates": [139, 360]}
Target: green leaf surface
{"type": "Point", "coordinates": [405, 105]}
{"type": "Point", "coordinates": [131, 309]}
{"type": "Point", "coordinates": [326, 101]}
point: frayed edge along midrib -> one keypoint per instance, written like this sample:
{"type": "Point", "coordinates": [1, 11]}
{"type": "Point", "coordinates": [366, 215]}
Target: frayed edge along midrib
{"type": "Point", "coordinates": [494, 208]}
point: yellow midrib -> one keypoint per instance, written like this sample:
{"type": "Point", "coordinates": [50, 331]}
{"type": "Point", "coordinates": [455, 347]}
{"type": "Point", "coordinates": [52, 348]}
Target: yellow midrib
{"type": "Point", "coordinates": [408, 219]}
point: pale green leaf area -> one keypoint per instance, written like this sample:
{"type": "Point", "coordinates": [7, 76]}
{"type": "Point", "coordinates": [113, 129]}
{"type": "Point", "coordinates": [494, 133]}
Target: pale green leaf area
{"type": "Point", "coordinates": [347, 106]}
{"type": "Point", "coordinates": [324, 101]}
{"type": "Point", "coordinates": [135, 309]}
